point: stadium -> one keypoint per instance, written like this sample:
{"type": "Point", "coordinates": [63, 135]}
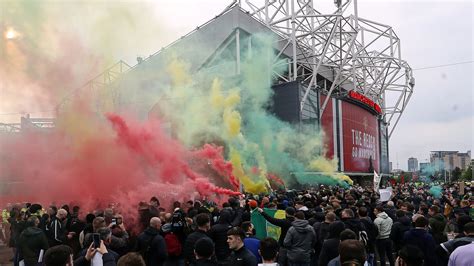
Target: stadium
{"type": "Point", "coordinates": [339, 74]}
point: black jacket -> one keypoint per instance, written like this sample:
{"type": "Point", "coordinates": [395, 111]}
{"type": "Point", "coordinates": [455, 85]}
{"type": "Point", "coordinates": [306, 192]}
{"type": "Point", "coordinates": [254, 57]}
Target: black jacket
{"type": "Point", "coordinates": [391, 212]}
{"type": "Point", "coordinates": [329, 251]}
{"type": "Point", "coordinates": [398, 230]}
{"type": "Point", "coordinates": [424, 241]}
{"type": "Point", "coordinates": [57, 232]}
{"type": "Point", "coordinates": [218, 234]}
{"type": "Point", "coordinates": [372, 233]}
{"type": "Point", "coordinates": [242, 257]}
{"type": "Point", "coordinates": [355, 225]}
{"type": "Point", "coordinates": [437, 225]}
{"type": "Point", "coordinates": [322, 232]}
{"type": "Point", "coordinates": [153, 246]}
{"type": "Point", "coordinates": [331, 245]}
{"type": "Point", "coordinates": [284, 224]}
{"type": "Point", "coordinates": [204, 262]}
{"type": "Point", "coordinates": [188, 249]}
{"type": "Point", "coordinates": [31, 241]}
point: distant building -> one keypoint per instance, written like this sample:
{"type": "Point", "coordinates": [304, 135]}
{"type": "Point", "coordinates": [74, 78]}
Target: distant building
{"type": "Point", "coordinates": [397, 171]}
{"type": "Point", "coordinates": [390, 167]}
{"type": "Point", "coordinates": [412, 164]}
{"type": "Point", "coordinates": [424, 167]}
{"type": "Point", "coordinates": [449, 160]}
{"type": "Point", "coordinates": [464, 160]}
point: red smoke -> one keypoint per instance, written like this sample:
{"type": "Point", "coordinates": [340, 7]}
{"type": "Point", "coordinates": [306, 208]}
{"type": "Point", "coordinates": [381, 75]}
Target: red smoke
{"type": "Point", "coordinates": [218, 163]}
{"type": "Point", "coordinates": [128, 164]}
{"type": "Point", "coordinates": [275, 179]}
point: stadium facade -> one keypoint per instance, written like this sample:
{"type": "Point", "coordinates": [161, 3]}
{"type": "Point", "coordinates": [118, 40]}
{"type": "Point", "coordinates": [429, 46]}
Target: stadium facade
{"type": "Point", "coordinates": [344, 74]}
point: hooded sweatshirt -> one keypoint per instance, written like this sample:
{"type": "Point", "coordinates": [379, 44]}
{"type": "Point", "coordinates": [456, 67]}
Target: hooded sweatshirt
{"type": "Point", "coordinates": [299, 241]}
{"type": "Point", "coordinates": [398, 230]}
{"type": "Point", "coordinates": [31, 241]}
{"type": "Point", "coordinates": [218, 234]}
{"type": "Point", "coordinates": [384, 225]}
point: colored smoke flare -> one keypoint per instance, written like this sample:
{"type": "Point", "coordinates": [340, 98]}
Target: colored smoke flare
{"type": "Point", "coordinates": [11, 34]}
{"type": "Point", "coordinates": [436, 191]}
{"type": "Point", "coordinates": [213, 132]}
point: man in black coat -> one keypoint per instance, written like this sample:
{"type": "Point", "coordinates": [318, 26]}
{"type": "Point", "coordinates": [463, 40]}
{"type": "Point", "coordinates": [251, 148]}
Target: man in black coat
{"type": "Point", "coordinates": [218, 234]}
{"type": "Point", "coordinates": [402, 225]}
{"type": "Point", "coordinates": [284, 224]}
{"type": "Point", "coordinates": [203, 225]}
{"type": "Point", "coordinates": [420, 237]}
{"type": "Point", "coordinates": [322, 232]}
{"type": "Point", "coordinates": [57, 229]}
{"type": "Point", "coordinates": [372, 233]}
{"type": "Point", "coordinates": [353, 223]}
{"type": "Point", "coordinates": [240, 255]}
{"type": "Point", "coordinates": [330, 246]}
{"type": "Point", "coordinates": [151, 244]}
{"type": "Point", "coordinates": [31, 241]}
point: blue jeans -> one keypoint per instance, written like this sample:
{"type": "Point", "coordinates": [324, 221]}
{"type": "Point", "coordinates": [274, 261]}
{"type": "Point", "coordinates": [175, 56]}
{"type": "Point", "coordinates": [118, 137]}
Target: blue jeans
{"type": "Point", "coordinates": [371, 259]}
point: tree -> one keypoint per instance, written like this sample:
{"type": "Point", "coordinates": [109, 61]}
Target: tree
{"type": "Point", "coordinates": [456, 173]}
{"type": "Point", "coordinates": [467, 174]}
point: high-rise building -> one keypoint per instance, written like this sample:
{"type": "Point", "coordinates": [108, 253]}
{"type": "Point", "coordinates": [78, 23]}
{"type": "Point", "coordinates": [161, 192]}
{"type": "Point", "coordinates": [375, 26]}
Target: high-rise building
{"type": "Point", "coordinates": [412, 164]}
{"type": "Point", "coordinates": [449, 160]}
{"type": "Point", "coordinates": [390, 167]}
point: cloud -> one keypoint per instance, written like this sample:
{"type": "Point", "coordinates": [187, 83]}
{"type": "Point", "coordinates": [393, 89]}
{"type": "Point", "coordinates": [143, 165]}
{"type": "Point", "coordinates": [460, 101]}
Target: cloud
{"type": "Point", "coordinates": [419, 139]}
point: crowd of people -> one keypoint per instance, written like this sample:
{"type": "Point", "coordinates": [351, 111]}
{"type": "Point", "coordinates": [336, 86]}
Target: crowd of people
{"type": "Point", "coordinates": [321, 226]}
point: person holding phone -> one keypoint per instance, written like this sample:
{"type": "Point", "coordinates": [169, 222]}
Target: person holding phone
{"type": "Point", "coordinates": [100, 246]}
{"type": "Point", "coordinates": [99, 251]}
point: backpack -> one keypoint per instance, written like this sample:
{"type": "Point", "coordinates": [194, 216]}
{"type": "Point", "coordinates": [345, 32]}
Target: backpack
{"type": "Point", "coordinates": [364, 238]}
{"type": "Point", "coordinates": [173, 245]}
{"type": "Point", "coordinates": [145, 249]}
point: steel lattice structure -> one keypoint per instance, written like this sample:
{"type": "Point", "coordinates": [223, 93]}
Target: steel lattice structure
{"type": "Point", "coordinates": [360, 54]}
{"type": "Point", "coordinates": [96, 85]}
{"type": "Point", "coordinates": [354, 53]}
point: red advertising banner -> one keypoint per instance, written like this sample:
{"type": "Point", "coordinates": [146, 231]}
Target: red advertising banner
{"type": "Point", "coordinates": [360, 139]}
{"type": "Point", "coordinates": [327, 124]}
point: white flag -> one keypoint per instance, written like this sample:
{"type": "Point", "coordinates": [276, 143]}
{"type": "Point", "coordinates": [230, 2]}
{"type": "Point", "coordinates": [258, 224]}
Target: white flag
{"type": "Point", "coordinates": [376, 181]}
{"type": "Point", "coordinates": [385, 195]}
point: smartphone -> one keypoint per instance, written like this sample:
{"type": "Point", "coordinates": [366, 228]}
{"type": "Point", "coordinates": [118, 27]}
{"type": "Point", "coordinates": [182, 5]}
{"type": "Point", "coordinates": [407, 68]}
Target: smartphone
{"type": "Point", "coordinates": [114, 221]}
{"type": "Point", "coordinates": [96, 238]}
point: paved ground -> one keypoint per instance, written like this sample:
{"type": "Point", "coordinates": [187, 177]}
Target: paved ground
{"type": "Point", "coordinates": [5, 255]}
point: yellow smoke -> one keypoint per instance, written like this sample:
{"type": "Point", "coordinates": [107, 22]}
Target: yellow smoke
{"type": "Point", "coordinates": [179, 73]}
{"type": "Point", "coordinates": [231, 118]}
{"type": "Point", "coordinates": [232, 122]}
{"type": "Point", "coordinates": [321, 164]}
{"type": "Point", "coordinates": [238, 171]}
{"type": "Point", "coordinates": [329, 167]}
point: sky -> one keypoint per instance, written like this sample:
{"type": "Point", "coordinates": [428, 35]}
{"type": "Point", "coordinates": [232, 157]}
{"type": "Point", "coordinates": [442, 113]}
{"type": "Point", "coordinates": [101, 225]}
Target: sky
{"type": "Point", "coordinates": [440, 115]}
